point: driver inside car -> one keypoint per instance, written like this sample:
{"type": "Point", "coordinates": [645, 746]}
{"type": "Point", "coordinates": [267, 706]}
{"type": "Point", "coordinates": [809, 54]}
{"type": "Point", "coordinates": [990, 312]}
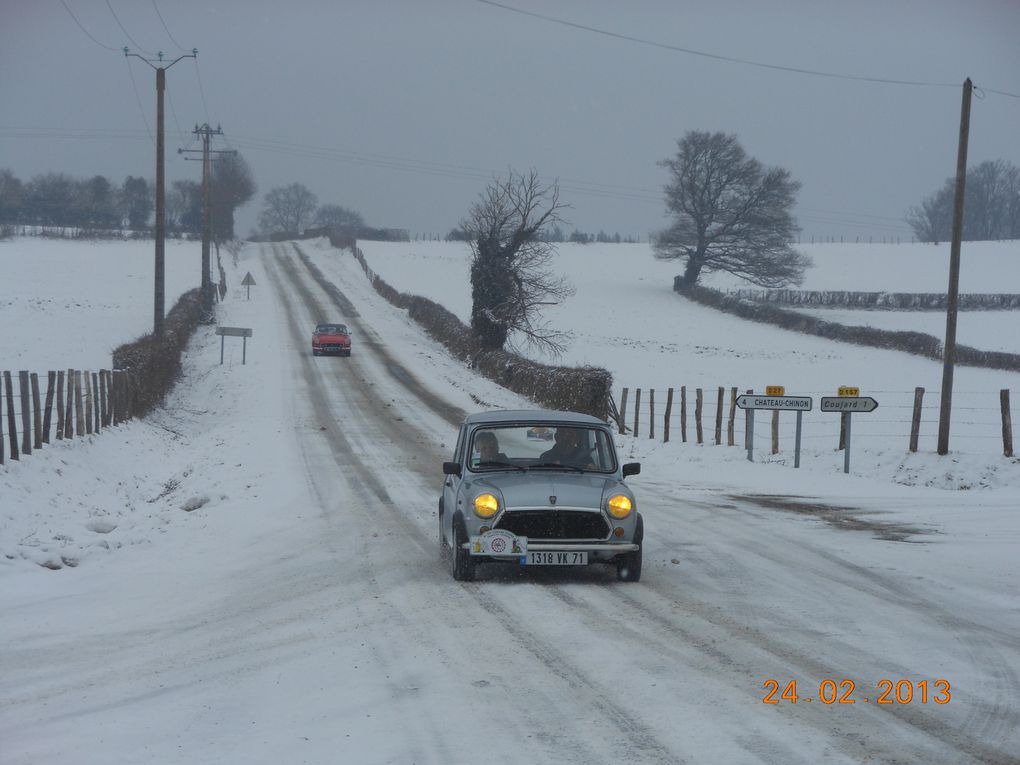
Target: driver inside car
{"type": "Point", "coordinates": [569, 449]}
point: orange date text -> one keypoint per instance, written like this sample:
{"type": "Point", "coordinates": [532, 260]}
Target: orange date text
{"type": "Point", "coordinates": [844, 691]}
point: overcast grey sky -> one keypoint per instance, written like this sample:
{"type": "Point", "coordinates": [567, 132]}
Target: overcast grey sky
{"type": "Point", "coordinates": [403, 110]}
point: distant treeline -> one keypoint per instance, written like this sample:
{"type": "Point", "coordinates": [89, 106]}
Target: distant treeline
{"type": "Point", "coordinates": [557, 234]}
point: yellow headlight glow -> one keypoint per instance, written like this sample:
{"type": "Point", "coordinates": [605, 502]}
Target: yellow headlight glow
{"type": "Point", "coordinates": [620, 506]}
{"type": "Point", "coordinates": [486, 505]}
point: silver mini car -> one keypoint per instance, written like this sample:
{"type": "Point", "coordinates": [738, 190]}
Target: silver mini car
{"type": "Point", "coordinates": [538, 488]}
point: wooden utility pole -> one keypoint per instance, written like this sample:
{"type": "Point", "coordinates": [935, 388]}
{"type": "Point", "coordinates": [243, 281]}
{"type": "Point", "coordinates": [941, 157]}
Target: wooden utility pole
{"type": "Point", "coordinates": [206, 132]}
{"type": "Point", "coordinates": [949, 349]}
{"type": "Point", "coordinates": [159, 288]}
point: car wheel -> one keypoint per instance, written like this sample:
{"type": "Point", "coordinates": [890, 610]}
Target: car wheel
{"type": "Point", "coordinates": [462, 565]}
{"type": "Point", "coordinates": [315, 352]}
{"type": "Point", "coordinates": [628, 566]}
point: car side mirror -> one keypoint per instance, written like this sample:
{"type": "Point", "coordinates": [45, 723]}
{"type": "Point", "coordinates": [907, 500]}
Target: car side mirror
{"type": "Point", "coordinates": [451, 468]}
{"type": "Point", "coordinates": [631, 468]}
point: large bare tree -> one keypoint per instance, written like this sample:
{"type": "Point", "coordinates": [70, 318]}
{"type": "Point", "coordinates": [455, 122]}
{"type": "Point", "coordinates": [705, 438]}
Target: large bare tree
{"type": "Point", "coordinates": [231, 185]}
{"type": "Point", "coordinates": [729, 214]}
{"type": "Point", "coordinates": [510, 278]}
{"type": "Point", "coordinates": [287, 209]}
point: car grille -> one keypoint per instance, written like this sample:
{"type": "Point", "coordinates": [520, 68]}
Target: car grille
{"type": "Point", "coordinates": [332, 347]}
{"type": "Point", "coordinates": [555, 524]}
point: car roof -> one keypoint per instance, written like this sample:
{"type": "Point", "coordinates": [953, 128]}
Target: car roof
{"type": "Point", "coordinates": [531, 415]}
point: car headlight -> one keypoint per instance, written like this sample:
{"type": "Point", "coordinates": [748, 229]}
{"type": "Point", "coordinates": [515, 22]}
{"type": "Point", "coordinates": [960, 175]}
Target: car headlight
{"type": "Point", "coordinates": [620, 506]}
{"type": "Point", "coordinates": [486, 505]}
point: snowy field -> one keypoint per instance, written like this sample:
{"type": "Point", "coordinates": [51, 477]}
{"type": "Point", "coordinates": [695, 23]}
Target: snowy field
{"type": "Point", "coordinates": [218, 597]}
{"type": "Point", "coordinates": [75, 301]}
{"type": "Point", "coordinates": [625, 317]}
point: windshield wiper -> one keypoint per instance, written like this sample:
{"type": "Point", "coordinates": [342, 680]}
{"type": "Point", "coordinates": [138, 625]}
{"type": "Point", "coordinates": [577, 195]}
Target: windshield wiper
{"type": "Point", "coordinates": [559, 466]}
{"type": "Point", "coordinates": [500, 463]}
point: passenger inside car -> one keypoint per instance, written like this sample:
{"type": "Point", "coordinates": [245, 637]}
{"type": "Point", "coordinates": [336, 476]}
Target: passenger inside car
{"type": "Point", "coordinates": [487, 446]}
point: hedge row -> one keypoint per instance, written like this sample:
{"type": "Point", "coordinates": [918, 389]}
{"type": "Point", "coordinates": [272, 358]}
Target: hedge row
{"type": "Point", "coordinates": [904, 301]}
{"type": "Point", "coordinates": [155, 364]}
{"type": "Point", "coordinates": [918, 343]}
{"type": "Point", "coordinates": [575, 389]}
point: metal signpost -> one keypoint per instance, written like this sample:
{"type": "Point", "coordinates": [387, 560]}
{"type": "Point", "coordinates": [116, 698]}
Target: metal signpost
{"type": "Point", "coordinates": [847, 404]}
{"type": "Point", "coordinates": [248, 281]}
{"type": "Point", "coordinates": [752, 401]}
{"type": "Point", "coordinates": [243, 332]}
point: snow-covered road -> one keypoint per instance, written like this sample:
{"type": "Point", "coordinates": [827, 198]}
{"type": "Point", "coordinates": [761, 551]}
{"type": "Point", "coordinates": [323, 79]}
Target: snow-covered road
{"type": "Point", "coordinates": [326, 628]}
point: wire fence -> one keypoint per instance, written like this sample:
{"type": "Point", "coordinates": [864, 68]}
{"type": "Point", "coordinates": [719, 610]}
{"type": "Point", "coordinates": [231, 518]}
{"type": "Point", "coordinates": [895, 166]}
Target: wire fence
{"type": "Point", "coordinates": [980, 420]}
{"type": "Point", "coordinates": [75, 403]}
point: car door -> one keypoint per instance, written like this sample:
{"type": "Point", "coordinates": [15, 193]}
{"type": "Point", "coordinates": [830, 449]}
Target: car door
{"type": "Point", "coordinates": [451, 485]}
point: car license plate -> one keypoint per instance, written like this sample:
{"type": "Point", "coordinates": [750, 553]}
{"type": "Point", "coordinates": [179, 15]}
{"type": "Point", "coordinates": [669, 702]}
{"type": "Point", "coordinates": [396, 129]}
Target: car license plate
{"type": "Point", "coordinates": [556, 558]}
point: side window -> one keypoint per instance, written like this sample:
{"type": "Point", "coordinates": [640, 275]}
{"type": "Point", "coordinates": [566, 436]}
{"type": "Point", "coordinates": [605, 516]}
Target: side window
{"type": "Point", "coordinates": [458, 450]}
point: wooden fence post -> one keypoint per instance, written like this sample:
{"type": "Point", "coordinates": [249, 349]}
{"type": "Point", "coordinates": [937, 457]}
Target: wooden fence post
{"type": "Point", "coordinates": [697, 414]}
{"type": "Point", "coordinates": [115, 396]}
{"type": "Point", "coordinates": [26, 413]}
{"type": "Point", "coordinates": [718, 416]}
{"type": "Point", "coordinates": [915, 421]}
{"type": "Point", "coordinates": [79, 409]}
{"type": "Point", "coordinates": [651, 413]}
{"type": "Point", "coordinates": [683, 413]}
{"type": "Point", "coordinates": [733, 415]}
{"type": "Point", "coordinates": [88, 402]}
{"type": "Point", "coordinates": [12, 427]}
{"type": "Point", "coordinates": [637, 410]}
{"type": "Point", "coordinates": [104, 395]}
{"type": "Point", "coordinates": [665, 419]}
{"type": "Point", "coordinates": [1, 419]}
{"type": "Point", "coordinates": [36, 411]}
{"type": "Point", "coordinates": [1007, 423]}
{"type": "Point", "coordinates": [60, 405]}
{"type": "Point", "coordinates": [95, 403]}
{"type": "Point", "coordinates": [775, 431]}
{"type": "Point", "coordinates": [48, 418]}
{"type": "Point", "coordinates": [623, 411]}
{"type": "Point", "coordinates": [69, 405]}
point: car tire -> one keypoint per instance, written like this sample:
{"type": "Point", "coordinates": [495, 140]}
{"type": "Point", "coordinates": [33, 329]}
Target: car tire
{"type": "Point", "coordinates": [462, 565]}
{"type": "Point", "coordinates": [628, 565]}
{"type": "Point", "coordinates": [315, 352]}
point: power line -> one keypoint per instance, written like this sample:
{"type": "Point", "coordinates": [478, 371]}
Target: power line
{"type": "Point", "coordinates": [138, 98]}
{"type": "Point", "coordinates": [166, 29]}
{"type": "Point", "coordinates": [122, 29]}
{"type": "Point", "coordinates": [201, 90]}
{"type": "Point", "coordinates": [717, 57]}
{"type": "Point", "coordinates": [83, 29]}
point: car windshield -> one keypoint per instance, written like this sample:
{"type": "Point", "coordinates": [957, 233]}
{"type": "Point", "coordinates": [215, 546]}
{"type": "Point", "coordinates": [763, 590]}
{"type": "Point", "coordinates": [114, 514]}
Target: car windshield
{"type": "Point", "coordinates": [542, 447]}
{"type": "Point", "coordinates": [331, 329]}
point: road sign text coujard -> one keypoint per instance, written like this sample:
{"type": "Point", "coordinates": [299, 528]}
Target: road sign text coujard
{"type": "Point", "coordinates": [757, 401]}
{"type": "Point", "coordinates": [848, 404]}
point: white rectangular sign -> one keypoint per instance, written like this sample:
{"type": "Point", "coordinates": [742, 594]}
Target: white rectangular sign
{"type": "Point", "coordinates": [848, 404]}
{"type": "Point", "coordinates": [755, 401]}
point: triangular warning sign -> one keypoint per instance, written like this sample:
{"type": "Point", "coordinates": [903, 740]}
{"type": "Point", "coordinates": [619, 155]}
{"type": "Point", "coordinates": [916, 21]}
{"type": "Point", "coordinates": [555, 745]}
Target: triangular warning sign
{"type": "Point", "coordinates": [248, 280]}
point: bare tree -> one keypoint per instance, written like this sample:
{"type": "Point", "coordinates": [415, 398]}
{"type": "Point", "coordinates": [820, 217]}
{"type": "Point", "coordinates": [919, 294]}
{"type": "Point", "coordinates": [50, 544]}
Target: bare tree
{"type": "Point", "coordinates": [231, 185]}
{"type": "Point", "coordinates": [339, 218]}
{"type": "Point", "coordinates": [510, 279]}
{"type": "Point", "coordinates": [729, 214]}
{"type": "Point", "coordinates": [991, 206]}
{"type": "Point", "coordinates": [287, 209]}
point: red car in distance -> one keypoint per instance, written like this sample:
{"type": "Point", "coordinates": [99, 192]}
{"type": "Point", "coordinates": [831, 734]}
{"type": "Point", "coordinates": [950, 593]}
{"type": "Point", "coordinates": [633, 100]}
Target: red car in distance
{"type": "Point", "coordinates": [331, 338]}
